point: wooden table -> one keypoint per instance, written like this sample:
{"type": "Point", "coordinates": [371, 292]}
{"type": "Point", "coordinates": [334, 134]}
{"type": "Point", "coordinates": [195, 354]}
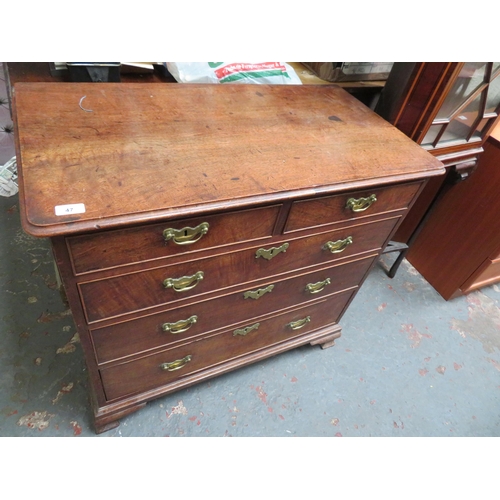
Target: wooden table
{"type": "Point", "coordinates": [200, 228]}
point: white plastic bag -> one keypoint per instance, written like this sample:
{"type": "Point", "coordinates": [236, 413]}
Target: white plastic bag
{"type": "Point", "coordinates": [8, 178]}
{"type": "Point", "coordinates": [233, 72]}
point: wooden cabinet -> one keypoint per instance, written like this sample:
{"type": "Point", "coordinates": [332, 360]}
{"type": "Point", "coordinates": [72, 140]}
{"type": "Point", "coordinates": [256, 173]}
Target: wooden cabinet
{"type": "Point", "coordinates": [200, 228]}
{"type": "Point", "coordinates": [458, 249]}
{"type": "Point", "coordinates": [447, 108]}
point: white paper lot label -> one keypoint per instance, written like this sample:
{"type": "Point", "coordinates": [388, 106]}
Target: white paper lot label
{"type": "Point", "coordinates": [75, 208]}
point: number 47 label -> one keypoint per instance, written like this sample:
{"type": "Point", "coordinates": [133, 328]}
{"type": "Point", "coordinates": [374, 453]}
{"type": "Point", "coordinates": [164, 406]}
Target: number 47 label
{"type": "Point", "coordinates": [76, 208]}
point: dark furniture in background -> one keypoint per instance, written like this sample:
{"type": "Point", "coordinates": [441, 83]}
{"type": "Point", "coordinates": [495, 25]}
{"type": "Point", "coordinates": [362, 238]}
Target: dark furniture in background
{"type": "Point", "coordinates": [448, 108]}
{"type": "Point", "coordinates": [458, 249]}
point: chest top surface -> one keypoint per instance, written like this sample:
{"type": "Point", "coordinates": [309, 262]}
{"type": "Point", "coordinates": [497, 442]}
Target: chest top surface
{"type": "Point", "coordinates": [133, 153]}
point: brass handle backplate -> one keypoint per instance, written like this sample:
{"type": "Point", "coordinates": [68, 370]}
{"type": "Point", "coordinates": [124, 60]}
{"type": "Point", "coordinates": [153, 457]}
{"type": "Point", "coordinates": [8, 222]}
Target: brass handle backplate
{"type": "Point", "coordinates": [339, 245]}
{"type": "Point", "coordinates": [177, 364]}
{"type": "Point", "coordinates": [245, 331]}
{"type": "Point", "coordinates": [257, 294]}
{"type": "Point", "coordinates": [317, 287]}
{"type": "Point", "coordinates": [179, 326]}
{"type": "Point", "coordinates": [295, 325]}
{"type": "Point", "coordinates": [361, 204]}
{"type": "Point", "coordinates": [186, 235]}
{"type": "Point", "coordinates": [271, 252]}
{"type": "Point", "coordinates": [184, 283]}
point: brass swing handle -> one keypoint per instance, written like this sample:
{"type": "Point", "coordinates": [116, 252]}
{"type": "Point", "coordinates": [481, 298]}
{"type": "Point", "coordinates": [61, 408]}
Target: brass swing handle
{"type": "Point", "coordinates": [257, 294]}
{"type": "Point", "coordinates": [295, 325]}
{"type": "Point", "coordinates": [245, 331]}
{"type": "Point", "coordinates": [361, 204]}
{"type": "Point", "coordinates": [177, 364]}
{"type": "Point", "coordinates": [318, 287]}
{"type": "Point", "coordinates": [179, 326]}
{"type": "Point", "coordinates": [268, 254]}
{"type": "Point", "coordinates": [184, 283]}
{"type": "Point", "coordinates": [186, 235]}
{"type": "Point", "coordinates": [339, 245]}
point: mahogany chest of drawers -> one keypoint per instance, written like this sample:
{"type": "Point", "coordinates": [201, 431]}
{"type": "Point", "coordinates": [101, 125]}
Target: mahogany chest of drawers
{"type": "Point", "coordinates": [200, 228]}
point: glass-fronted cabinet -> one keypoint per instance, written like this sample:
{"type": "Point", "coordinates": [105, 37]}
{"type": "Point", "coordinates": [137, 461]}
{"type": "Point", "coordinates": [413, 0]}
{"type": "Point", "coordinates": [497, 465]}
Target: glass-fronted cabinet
{"type": "Point", "coordinates": [470, 106]}
{"type": "Point", "coordinates": [449, 108]}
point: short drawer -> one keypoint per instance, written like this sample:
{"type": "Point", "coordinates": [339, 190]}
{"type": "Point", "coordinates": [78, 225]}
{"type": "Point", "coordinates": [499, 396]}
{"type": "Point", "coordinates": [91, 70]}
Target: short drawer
{"type": "Point", "coordinates": [150, 372]}
{"type": "Point", "coordinates": [159, 330]}
{"type": "Point", "coordinates": [349, 206]}
{"type": "Point", "coordinates": [108, 249]}
{"type": "Point", "coordinates": [119, 295]}
{"type": "Point", "coordinates": [487, 274]}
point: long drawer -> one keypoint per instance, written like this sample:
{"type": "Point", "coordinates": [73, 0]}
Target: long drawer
{"type": "Point", "coordinates": [349, 206]}
{"type": "Point", "coordinates": [159, 369]}
{"type": "Point", "coordinates": [168, 327]}
{"type": "Point", "coordinates": [112, 297]}
{"type": "Point", "coordinates": [145, 243]}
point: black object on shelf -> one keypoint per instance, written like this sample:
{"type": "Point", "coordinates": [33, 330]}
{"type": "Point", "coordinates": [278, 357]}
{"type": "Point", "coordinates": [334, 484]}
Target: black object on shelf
{"type": "Point", "coordinates": [94, 72]}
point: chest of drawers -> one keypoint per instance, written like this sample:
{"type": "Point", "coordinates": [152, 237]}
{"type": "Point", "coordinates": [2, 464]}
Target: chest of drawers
{"type": "Point", "coordinates": [198, 229]}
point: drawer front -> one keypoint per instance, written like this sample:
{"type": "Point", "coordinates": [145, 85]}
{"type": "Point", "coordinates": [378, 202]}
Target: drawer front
{"type": "Point", "coordinates": [143, 374]}
{"type": "Point", "coordinates": [331, 209]}
{"type": "Point", "coordinates": [487, 274]}
{"type": "Point", "coordinates": [116, 248]}
{"type": "Point", "coordinates": [178, 325]}
{"type": "Point", "coordinates": [120, 295]}
{"type": "Point", "coordinates": [496, 257]}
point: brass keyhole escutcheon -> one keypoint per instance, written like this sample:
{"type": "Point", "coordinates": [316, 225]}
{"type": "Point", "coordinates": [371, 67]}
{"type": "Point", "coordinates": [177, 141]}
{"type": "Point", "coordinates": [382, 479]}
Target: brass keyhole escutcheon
{"type": "Point", "coordinates": [268, 254]}
{"type": "Point", "coordinates": [257, 294]}
{"type": "Point", "coordinates": [247, 330]}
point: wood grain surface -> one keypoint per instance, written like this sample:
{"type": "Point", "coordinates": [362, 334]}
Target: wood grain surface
{"type": "Point", "coordinates": [147, 152]}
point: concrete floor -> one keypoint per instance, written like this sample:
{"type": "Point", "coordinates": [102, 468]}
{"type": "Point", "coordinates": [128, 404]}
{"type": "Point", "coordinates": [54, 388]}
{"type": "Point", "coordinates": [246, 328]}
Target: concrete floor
{"type": "Point", "coordinates": [408, 364]}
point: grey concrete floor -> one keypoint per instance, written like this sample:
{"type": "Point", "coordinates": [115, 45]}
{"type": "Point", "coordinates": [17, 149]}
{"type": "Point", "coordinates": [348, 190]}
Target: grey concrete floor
{"type": "Point", "coordinates": [408, 364]}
